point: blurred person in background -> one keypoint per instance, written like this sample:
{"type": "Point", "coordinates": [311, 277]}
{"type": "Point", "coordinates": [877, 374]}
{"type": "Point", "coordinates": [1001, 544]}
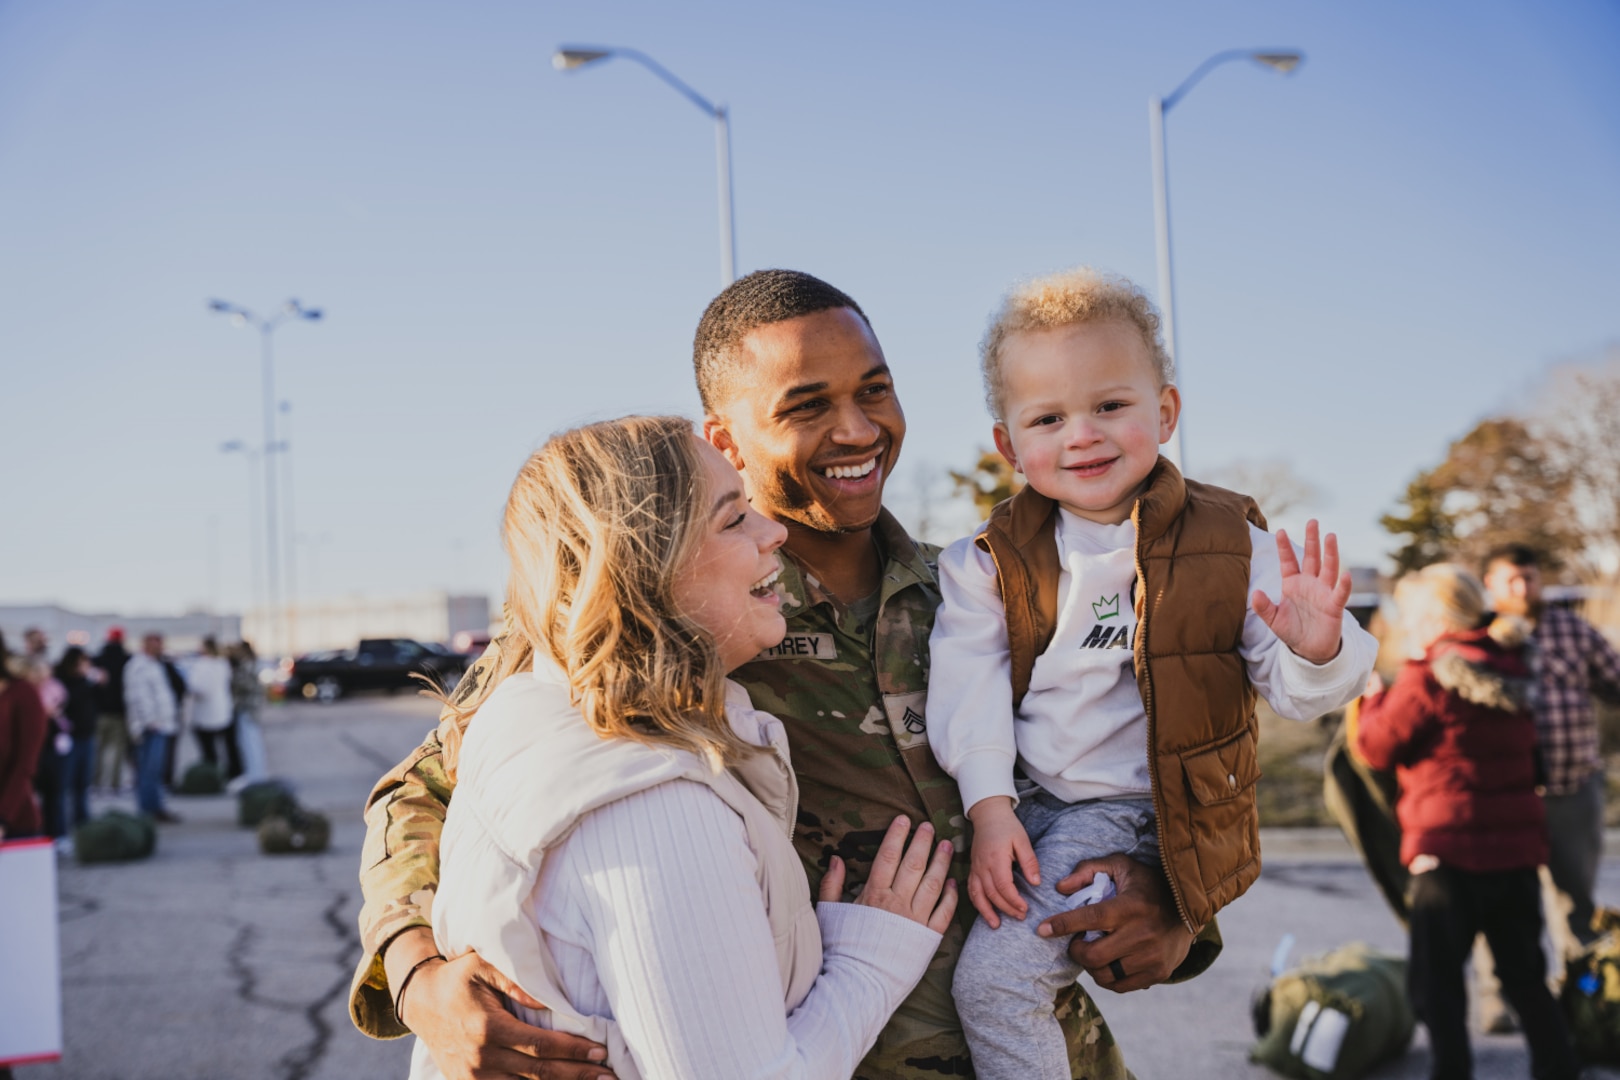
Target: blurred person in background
{"type": "Point", "coordinates": [153, 713]}
{"type": "Point", "coordinates": [1457, 727]}
{"type": "Point", "coordinates": [213, 719]}
{"type": "Point", "coordinates": [36, 646]}
{"type": "Point", "coordinates": [247, 698]}
{"type": "Point", "coordinates": [48, 770]}
{"type": "Point", "coordinates": [1575, 663]}
{"type": "Point", "coordinates": [112, 730]}
{"type": "Point", "coordinates": [23, 728]}
{"type": "Point", "coordinates": [83, 713]}
{"type": "Point", "coordinates": [181, 690]}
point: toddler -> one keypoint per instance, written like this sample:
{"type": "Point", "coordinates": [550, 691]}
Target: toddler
{"type": "Point", "coordinates": [1098, 652]}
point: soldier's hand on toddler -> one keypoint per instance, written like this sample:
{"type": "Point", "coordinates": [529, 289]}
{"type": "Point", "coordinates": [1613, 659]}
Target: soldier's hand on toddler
{"type": "Point", "coordinates": [1309, 616]}
{"type": "Point", "coordinates": [905, 879]}
{"type": "Point", "coordinates": [999, 841]}
{"type": "Point", "coordinates": [455, 1007]}
{"type": "Point", "coordinates": [1144, 933]}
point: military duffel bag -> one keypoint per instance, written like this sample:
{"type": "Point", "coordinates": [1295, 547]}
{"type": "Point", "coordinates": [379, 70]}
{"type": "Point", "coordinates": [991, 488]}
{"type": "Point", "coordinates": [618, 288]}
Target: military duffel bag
{"type": "Point", "coordinates": [1335, 1017]}
{"type": "Point", "coordinates": [298, 832]}
{"type": "Point", "coordinates": [258, 801]}
{"type": "Point", "coordinates": [202, 778]}
{"type": "Point", "coordinates": [1591, 995]}
{"type": "Point", "coordinates": [114, 837]}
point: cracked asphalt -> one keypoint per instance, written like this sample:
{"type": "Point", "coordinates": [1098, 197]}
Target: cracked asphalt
{"type": "Point", "coordinates": [211, 961]}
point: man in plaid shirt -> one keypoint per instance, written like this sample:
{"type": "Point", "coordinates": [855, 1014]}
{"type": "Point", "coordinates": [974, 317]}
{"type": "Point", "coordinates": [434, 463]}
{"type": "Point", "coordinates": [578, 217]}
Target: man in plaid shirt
{"type": "Point", "coordinates": [1576, 663]}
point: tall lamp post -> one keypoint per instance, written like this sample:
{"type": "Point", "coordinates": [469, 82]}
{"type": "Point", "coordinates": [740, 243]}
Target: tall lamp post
{"type": "Point", "coordinates": [572, 58]}
{"type": "Point", "coordinates": [242, 317]}
{"type": "Point", "coordinates": [251, 456]}
{"type": "Point", "coordinates": [1282, 61]}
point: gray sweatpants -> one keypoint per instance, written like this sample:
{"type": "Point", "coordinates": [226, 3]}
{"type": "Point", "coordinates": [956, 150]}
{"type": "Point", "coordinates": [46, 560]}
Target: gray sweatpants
{"type": "Point", "coordinates": [1007, 978]}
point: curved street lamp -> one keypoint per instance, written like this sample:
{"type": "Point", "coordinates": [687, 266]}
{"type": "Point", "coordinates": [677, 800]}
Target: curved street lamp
{"type": "Point", "coordinates": [1283, 62]}
{"type": "Point", "coordinates": [242, 317]}
{"type": "Point", "coordinates": [572, 58]}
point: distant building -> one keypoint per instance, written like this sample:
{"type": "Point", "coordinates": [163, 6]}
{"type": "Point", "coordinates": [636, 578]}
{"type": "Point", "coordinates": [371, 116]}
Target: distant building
{"type": "Point", "coordinates": [181, 633]}
{"type": "Point", "coordinates": [1368, 588]}
{"type": "Point", "coordinates": [340, 622]}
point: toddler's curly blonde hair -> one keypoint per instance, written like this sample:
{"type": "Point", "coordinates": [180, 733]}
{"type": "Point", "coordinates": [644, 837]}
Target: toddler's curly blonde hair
{"type": "Point", "coordinates": [1068, 298]}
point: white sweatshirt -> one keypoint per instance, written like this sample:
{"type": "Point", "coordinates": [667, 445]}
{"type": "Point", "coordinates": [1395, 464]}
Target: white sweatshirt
{"type": "Point", "coordinates": [209, 680]}
{"type": "Point", "coordinates": [1081, 731]}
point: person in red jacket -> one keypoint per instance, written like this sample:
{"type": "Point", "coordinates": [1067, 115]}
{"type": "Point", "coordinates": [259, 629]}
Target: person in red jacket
{"type": "Point", "coordinates": [23, 725]}
{"type": "Point", "coordinates": [1457, 728]}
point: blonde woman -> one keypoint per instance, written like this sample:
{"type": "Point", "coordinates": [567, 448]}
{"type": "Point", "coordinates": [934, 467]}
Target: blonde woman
{"type": "Point", "coordinates": [619, 844]}
{"type": "Point", "coordinates": [1457, 729]}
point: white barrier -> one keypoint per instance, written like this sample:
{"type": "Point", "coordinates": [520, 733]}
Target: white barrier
{"type": "Point", "coordinates": [30, 954]}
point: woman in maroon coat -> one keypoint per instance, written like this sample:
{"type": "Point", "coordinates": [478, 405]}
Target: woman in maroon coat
{"type": "Point", "coordinates": [1457, 729]}
{"type": "Point", "coordinates": [23, 726]}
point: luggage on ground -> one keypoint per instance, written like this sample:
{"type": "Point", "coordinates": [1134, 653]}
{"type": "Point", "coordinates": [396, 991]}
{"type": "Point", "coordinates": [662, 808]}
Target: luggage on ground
{"type": "Point", "coordinates": [114, 837]}
{"type": "Point", "coordinates": [298, 831]}
{"type": "Point", "coordinates": [1362, 802]}
{"type": "Point", "coordinates": [258, 801]}
{"type": "Point", "coordinates": [202, 778]}
{"type": "Point", "coordinates": [1591, 995]}
{"type": "Point", "coordinates": [1335, 1017]}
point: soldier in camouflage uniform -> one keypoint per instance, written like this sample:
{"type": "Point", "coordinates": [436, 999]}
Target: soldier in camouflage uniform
{"type": "Point", "coordinates": [849, 680]}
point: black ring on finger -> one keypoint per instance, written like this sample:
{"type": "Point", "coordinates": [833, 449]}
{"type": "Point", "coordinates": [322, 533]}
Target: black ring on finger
{"type": "Point", "coordinates": [1118, 969]}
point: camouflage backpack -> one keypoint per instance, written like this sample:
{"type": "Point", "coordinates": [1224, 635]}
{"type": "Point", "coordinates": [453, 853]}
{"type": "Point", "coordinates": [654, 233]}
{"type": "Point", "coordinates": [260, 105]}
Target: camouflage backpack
{"type": "Point", "coordinates": [258, 801]}
{"type": "Point", "coordinates": [114, 837]}
{"type": "Point", "coordinates": [1335, 1017]}
{"type": "Point", "coordinates": [296, 832]}
{"type": "Point", "coordinates": [1591, 996]}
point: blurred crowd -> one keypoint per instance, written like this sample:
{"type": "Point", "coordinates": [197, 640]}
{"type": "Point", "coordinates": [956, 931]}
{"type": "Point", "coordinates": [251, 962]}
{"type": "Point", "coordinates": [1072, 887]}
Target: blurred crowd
{"type": "Point", "coordinates": [1485, 741]}
{"type": "Point", "coordinates": [110, 723]}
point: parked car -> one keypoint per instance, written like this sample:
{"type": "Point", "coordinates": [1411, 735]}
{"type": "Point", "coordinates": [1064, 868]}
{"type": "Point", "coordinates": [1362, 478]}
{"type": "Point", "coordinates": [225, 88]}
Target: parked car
{"type": "Point", "coordinates": [390, 664]}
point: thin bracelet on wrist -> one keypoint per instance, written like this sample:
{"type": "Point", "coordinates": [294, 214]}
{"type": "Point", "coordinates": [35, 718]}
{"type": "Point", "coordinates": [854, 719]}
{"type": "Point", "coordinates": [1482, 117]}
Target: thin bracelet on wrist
{"type": "Point", "coordinates": [399, 995]}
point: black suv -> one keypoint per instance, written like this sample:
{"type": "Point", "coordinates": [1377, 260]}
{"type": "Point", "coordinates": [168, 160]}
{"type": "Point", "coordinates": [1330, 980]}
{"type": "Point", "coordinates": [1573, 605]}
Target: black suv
{"type": "Point", "coordinates": [375, 664]}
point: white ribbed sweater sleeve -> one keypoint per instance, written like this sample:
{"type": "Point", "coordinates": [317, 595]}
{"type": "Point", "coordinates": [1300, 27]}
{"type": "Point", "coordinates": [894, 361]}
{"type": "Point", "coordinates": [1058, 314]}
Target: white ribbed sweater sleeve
{"type": "Point", "coordinates": [659, 890]}
{"type": "Point", "coordinates": [970, 707]}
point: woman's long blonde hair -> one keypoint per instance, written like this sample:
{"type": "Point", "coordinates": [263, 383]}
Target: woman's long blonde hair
{"type": "Point", "coordinates": [600, 522]}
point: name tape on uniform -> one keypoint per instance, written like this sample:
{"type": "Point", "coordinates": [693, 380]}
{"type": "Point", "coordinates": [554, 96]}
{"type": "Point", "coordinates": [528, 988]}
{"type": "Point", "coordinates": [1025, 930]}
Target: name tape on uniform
{"type": "Point", "coordinates": [802, 647]}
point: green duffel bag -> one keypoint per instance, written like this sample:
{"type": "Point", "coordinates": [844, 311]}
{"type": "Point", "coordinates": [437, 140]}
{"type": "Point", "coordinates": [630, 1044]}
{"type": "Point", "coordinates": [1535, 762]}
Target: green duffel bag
{"type": "Point", "coordinates": [114, 837]}
{"type": "Point", "coordinates": [1361, 800]}
{"type": "Point", "coordinates": [258, 801]}
{"type": "Point", "coordinates": [1335, 1017]}
{"type": "Point", "coordinates": [202, 778]}
{"type": "Point", "coordinates": [1591, 995]}
{"type": "Point", "coordinates": [298, 832]}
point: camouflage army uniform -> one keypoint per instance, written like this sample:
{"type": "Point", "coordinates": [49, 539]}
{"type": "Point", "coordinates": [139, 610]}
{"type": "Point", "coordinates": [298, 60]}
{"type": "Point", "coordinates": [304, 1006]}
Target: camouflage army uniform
{"type": "Point", "coordinates": [852, 692]}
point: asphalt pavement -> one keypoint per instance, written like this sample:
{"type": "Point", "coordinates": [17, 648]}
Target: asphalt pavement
{"type": "Point", "coordinates": [211, 961]}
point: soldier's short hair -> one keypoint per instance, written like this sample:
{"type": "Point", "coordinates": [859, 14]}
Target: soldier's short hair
{"type": "Point", "coordinates": [759, 299]}
{"type": "Point", "coordinates": [1069, 298]}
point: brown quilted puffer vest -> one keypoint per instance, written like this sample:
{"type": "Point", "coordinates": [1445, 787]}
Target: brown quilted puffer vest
{"type": "Point", "coordinates": [1192, 566]}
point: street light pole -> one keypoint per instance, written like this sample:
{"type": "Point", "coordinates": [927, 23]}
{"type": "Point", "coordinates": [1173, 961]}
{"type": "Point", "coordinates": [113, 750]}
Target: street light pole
{"type": "Point", "coordinates": [572, 58]}
{"type": "Point", "coordinates": [1282, 61]}
{"type": "Point", "coordinates": [290, 526]}
{"type": "Point", "coordinates": [251, 456]}
{"type": "Point", "coordinates": [266, 327]}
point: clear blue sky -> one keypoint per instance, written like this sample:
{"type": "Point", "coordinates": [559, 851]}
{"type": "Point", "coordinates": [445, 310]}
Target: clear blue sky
{"type": "Point", "coordinates": [1372, 254]}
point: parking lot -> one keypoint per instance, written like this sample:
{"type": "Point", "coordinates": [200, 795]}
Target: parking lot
{"type": "Point", "coordinates": [213, 961]}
